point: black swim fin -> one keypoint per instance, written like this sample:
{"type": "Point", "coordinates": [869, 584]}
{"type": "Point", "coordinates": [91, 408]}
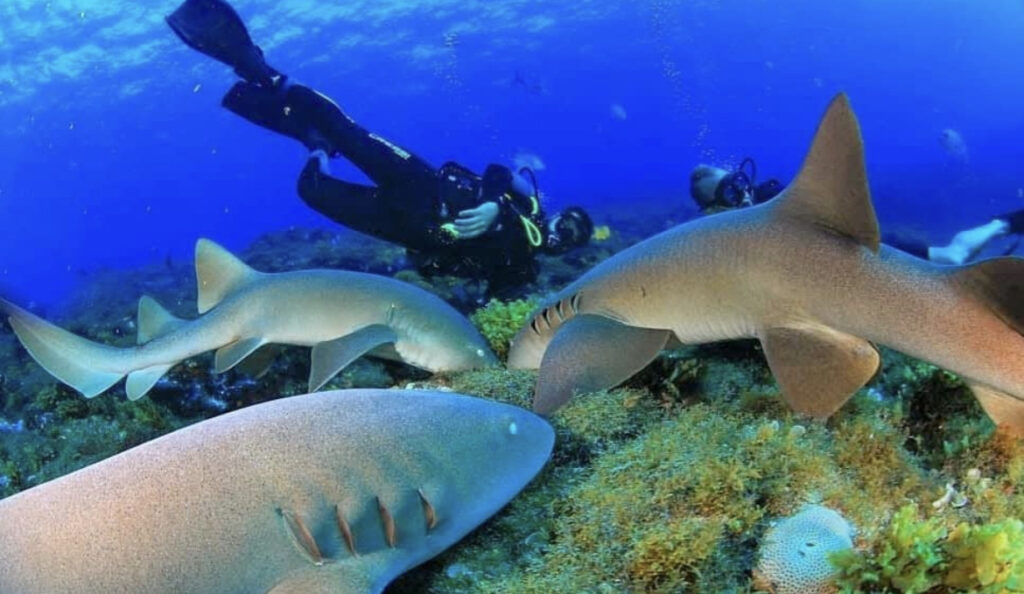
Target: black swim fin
{"type": "Point", "coordinates": [213, 28]}
{"type": "Point", "coordinates": [294, 112]}
{"type": "Point", "coordinates": [1015, 219]}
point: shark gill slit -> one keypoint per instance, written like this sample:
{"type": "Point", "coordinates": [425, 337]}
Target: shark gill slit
{"type": "Point", "coordinates": [389, 523]}
{"type": "Point", "coordinates": [346, 532]}
{"type": "Point", "coordinates": [428, 510]}
{"type": "Point", "coordinates": [303, 537]}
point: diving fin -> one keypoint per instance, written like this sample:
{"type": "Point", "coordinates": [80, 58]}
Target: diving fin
{"type": "Point", "coordinates": [212, 27]}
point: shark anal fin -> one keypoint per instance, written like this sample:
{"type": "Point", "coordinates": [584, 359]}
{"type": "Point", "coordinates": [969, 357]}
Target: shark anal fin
{"type": "Point", "coordinates": [154, 320]}
{"type": "Point", "coordinates": [818, 368]}
{"type": "Point", "coordinates": [1005, 411]}
{"type": "Point", "coordinates": [142, 381]}
{"type": "Point", "coordinates": [590, 353]}
{"type": "Point", "coordinates": [258, 363]}
{"type": "Point", "coordinates": [331, 356]}
{"type": "Point", "coordinates": [232, 354]}
{"type": "Point", "coordinates": [218, 274]}
{"type": "Point", "coordinates": [1000, 282]}
{"type": "Point", "coordinates": [831, 189]}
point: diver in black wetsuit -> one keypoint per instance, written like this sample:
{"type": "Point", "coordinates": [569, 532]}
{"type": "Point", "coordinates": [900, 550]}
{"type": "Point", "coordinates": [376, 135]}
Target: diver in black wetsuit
{"type": "Point", "coordinates": [451, 220]}
{"type": "Point", "coordinates": [715, 189]}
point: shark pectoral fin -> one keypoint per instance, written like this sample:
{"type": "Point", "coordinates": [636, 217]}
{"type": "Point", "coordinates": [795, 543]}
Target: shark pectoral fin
{"type": "Point", "coordinates": [1005, 411]}
{"type": "Point", "coordinates": [818, 368]}
{"type": "Point", "coordinates": [154, 320]}
{"type": "Point", "coordinates": [591, 353]}
{"type": "Point", "coordinates": [142, 381]}
{"type": "Point", "coordinates": [331, 356]}
{"type": "Point", "coordinates": [831, 189]}
{"type": "Point", "coordinates": [218, 274]}
{"type": "Point", "coordinates": [259, 362]}
{"type": "Point", "coordinates": [232, 354]}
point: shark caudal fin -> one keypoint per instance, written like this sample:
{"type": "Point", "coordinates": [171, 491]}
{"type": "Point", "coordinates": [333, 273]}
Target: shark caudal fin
{"type": "Point", "coordinates": [218, 274]}
{"type": "Point", "coordinates": [89, 367]}
{"type": "Point", "coordinates": [831, 190]}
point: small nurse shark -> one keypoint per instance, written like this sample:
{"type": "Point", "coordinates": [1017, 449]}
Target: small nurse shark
{"type": "Point", "coordinates": [807, 275]}
{"type": "Point", "coordinates": [329, 493]}
{"type": "Point", "coordinates": [341, 314]}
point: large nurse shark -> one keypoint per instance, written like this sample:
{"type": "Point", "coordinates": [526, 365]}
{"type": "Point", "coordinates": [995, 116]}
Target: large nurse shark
{"type": "Point", "coordinates": [328, 493]}
{"type": "Point", "coordinates": [341, 314]}
{"type": "Point", "coordinates": [805, 274]}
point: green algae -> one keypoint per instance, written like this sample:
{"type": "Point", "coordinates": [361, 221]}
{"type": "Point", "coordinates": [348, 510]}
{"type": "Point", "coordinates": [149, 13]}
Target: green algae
{"type": "Point", "coordinates": [499, 321]}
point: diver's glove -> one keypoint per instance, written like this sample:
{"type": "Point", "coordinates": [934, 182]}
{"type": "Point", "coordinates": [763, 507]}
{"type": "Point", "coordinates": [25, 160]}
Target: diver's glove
{"type": "Point", "coordinates": [474, 222]}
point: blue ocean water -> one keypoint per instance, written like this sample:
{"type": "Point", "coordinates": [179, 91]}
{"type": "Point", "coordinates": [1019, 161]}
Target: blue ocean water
{"type": "Point", "coordinates": [117, 153]}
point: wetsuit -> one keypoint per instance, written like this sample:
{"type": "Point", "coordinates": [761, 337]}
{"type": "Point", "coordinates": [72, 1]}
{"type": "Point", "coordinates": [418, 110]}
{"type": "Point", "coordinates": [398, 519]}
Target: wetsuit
{"type": "Point", "coordinates": [412, 202]}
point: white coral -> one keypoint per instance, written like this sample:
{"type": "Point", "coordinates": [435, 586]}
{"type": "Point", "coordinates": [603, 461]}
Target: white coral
{"type": "Point", "coordinates": [794, 554]}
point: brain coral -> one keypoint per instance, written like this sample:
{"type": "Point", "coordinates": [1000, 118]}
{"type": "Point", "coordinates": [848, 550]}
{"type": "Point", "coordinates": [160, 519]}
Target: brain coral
{"type": "Point", "coordinates": [794, 554]}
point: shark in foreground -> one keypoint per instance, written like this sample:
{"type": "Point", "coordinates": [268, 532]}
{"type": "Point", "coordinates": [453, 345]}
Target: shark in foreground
{"type": "Point", "coordinates": [329, 493]}
{"type": "Point", "coordinates": [806, 274]}
{"type": "Point", "coordinates": [341, 314]}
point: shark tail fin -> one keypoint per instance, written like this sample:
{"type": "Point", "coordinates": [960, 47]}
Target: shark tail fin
{"type": "Point", "coordinates": [1000, 283]}
{"type": "Point", "coordinates": [218, 274]}
{"type": "Point", "coordinates": [89, 367]}
{"type": "Point", "coordinates": [831, 190]}
{"type": "Point", "coordinates": [154, 320]}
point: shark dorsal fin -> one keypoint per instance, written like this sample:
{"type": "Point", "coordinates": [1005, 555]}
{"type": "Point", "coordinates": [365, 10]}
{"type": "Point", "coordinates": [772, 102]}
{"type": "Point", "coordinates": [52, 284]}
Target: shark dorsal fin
{"type": "Point", "coordinates": [154, 320]}
{"type": "Point", "coordinates": [218, 273]}
{"type": "Point", "coordinates": [831, 189]}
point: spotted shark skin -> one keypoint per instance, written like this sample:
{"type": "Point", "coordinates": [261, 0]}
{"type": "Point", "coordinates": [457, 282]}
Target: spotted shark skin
{"type": "Point", "coordinates": [341, 314]}
{"type": "Point", "coordinates": [806, 274]}
{"type": "Point", "coordinates": [334, 493]}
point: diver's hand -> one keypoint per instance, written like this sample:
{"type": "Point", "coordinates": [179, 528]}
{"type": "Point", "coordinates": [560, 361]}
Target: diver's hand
{"type": "Point", "coordinates": [476, 221]}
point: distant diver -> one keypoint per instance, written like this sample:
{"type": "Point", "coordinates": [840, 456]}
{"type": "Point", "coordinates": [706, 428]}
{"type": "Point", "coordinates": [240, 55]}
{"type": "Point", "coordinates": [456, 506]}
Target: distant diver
{"type": "Point", "coordinates": [715, 189]}
{"type": "Point", "coordinates": [450, 219]}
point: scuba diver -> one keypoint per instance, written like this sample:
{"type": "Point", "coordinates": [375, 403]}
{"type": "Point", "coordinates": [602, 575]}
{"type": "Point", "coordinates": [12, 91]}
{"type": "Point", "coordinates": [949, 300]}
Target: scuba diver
{"type": "Point", "coordinates": [715, 189]}
{"type": "Point", "coordinates": [450, 219]}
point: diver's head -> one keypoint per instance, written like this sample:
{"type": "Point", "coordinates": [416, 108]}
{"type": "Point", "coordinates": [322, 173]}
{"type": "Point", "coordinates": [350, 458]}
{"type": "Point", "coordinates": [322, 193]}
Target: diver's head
{"type": "Point", "coordinates": [713, 188]}
{"type": "Point", "coordinates": [569, 229]}
{"type": "Point", "coordinates": [703, 181]}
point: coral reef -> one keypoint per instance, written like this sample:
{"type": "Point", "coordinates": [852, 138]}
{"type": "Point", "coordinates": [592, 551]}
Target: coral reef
{"type": "Point", "coordinates": [666, 484]}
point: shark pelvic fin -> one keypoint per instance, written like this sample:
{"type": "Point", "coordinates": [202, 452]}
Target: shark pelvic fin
{"type": "Point", "coordinates": [1000, 282]}
{"type": "Point", "coordinates": [831, 189]}
{"type": "Point", "coordinates": [331, 356]}
{"type": "Point", "coordinates": [232, 354]}
{"type": "Point", "coordinates": [140, 382]}
{"type": "Point", "coordinates": [154, 320]}
{"type": "Point", "coordinates": [818, 368]}
{"type": "Point", "coordinates": [1005, 411]}
{"type": "Point", "coordinates": [218, 274]}
{"type": "Point", "coordinates": [590, 353]}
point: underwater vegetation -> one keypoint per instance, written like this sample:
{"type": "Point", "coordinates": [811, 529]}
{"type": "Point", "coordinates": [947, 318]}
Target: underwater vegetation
{"type": "Point", "coordinates": [669, 483]}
